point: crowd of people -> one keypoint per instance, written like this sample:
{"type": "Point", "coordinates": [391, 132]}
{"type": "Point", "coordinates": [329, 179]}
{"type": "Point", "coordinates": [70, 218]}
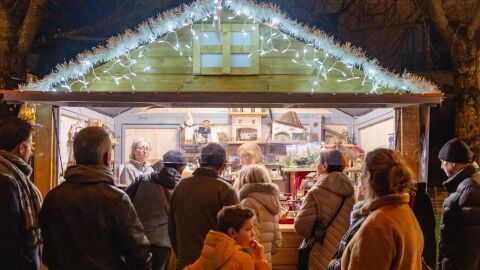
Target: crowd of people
{"type": "Point", "coordinates": [88, 223]}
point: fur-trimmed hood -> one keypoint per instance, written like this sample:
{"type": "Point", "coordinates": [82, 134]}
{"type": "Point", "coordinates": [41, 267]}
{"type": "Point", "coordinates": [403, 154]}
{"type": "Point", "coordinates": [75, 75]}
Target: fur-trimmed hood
{"type": "Point", "coordinates": [267, 194]}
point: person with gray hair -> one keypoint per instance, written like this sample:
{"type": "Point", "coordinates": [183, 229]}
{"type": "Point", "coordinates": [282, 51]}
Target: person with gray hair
{"type": "Point", "coordinates": [195, 203]}
{"type": "Point", "coordinates": [138, 164]}
{"type": "Point", "coordinates": [460, 226]}
{"type": "Point", "coordinates": [88, 223]}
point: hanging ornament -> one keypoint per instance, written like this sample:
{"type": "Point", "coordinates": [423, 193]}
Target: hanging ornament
{"type": "Point", "coordinates": [27, 113]}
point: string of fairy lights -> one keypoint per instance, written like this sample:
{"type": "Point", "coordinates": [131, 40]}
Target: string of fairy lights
{"type": "Point", "coordinates": [316, 54]}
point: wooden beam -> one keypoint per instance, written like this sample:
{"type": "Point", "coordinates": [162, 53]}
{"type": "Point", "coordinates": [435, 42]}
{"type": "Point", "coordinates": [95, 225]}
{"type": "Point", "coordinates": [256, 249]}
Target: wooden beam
{"type": "Point", "coordinates": [221, 99]}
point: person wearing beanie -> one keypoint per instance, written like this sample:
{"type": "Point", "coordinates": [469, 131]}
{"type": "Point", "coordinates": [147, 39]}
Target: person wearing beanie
{"type": "Point", "coordinates": [460, 226]}
{"type": "Point", "coordinates": [150, 194]}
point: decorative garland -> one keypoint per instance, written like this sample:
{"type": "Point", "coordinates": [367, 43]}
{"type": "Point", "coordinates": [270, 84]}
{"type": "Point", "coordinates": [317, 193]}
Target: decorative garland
{"type": "Point", "coordinates": [186, 15]}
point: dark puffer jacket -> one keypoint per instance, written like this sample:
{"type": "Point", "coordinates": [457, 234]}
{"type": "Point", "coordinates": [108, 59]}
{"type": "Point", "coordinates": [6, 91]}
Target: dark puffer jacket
{"type": "Point", "coordinates": [87, 223]}
{"type": "Point", "coordinates": [148, 200]}
{"type": "Point", "coordinates": [423, 210]}
{"type": "Point", "coordinates": [460, 228]}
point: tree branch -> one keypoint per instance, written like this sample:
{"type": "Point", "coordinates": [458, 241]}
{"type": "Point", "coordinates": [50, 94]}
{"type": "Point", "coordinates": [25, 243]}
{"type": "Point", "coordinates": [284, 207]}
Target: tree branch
{"type": "Point", "coordinates": [30, 25]}
{"type": "Point", "coordinates": [474, 25]}
{"type": "Point", "coordinates": [345, 7]}
{"type": "Point", "coordinates": [434, 10]}
{"type": "Point", "coordinates": [102, 25]}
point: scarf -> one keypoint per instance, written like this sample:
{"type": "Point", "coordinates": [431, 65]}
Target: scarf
{"type": "Point", "coordinates": [30, 198]}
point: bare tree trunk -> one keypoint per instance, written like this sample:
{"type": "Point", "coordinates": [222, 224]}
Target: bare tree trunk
{"type": "Point", "coordinates": [466, 61]}
{"type": "Point", "coordinates": [12, 69]}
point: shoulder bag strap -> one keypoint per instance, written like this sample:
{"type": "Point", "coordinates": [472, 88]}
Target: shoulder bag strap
{"type": "Point", "coordinates": [331, 220]}
{"type": "Point", "coordinates": [336, 213]}
{"type": "Point", "coordinates": [164, 197]}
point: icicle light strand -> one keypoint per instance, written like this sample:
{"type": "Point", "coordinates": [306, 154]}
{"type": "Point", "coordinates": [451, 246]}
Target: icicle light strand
{"type": "Point", "coordinates": [318, 48]}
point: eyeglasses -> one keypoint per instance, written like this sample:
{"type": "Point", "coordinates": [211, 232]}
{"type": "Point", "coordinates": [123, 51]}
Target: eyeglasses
{"type": "Point", "coordinates": [142, 148]}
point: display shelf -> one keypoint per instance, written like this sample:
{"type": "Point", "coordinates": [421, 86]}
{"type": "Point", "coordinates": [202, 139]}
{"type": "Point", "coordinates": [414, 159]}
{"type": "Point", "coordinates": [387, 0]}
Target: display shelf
{"type": "Point", "coordinates": [242, 142]}
{"type": "Point", "coordinates": [274, 164]}
{"type": "Point", "coordinates": [293, 169]}
{"type": "Point", "coordinates": [263, 114]}
{"type": "Point", "coordinates": [289, 142]}
{"type": "Point", "coordinates": [270, 142]}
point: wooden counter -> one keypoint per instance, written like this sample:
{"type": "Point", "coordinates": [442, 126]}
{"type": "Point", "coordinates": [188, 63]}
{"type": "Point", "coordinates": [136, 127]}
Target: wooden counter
{"type": "Point", "coordinates": [286, 257]}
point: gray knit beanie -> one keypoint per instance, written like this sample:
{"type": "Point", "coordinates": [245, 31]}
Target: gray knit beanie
{"type": "Point", "coordinates": [456, 151]}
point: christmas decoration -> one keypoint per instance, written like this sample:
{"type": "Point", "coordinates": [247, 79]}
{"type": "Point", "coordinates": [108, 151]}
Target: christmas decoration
{"type": "Point", "coordinates": [118, 49]}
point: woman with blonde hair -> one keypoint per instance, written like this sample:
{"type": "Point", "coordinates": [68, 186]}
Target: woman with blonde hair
{"type": "Point", "coordinates": [250, 153]}
{"type": "Point", "coordinates": [256, 192]}
{"type": "Point", "coordinates": [390, 237]}
{"type": "Point", "coordinates": [138, 164]}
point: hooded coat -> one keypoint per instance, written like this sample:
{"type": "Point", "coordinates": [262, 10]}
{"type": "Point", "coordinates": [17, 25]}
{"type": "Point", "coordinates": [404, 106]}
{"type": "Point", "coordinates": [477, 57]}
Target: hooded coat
{"type": "Point", "coordinates": [319, 207]}
{"type": "Point", "coordinates": [460, 226]}
{"type": "Point", "coordinates": [263, 200]}
{"type": "Point", "coordinates": [88, 223]}
{"type": "Point", "coordinates": [149, 203]}
{"type": "Point", "coordinates": [389, 238]}
{"type": "Point", "coordinates": [221, 252]}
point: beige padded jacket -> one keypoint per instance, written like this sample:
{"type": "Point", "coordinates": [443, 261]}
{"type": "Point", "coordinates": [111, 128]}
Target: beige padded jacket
{"type": "Point", "coordinates": [321, 203]}
{"type": "Point", "coordinates": [263, 200]}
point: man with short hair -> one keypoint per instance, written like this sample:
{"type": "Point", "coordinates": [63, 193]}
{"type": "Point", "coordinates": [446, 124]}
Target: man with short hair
{"type": "Point", "coordinates": [20, 200]}
{"type": "Point", "coordinates": [87, 223]}
{"type": "Point", "coordinates": [195, 203]}
{"type": "Point", "coordinates": [150, 194]}
{"type": "Point", "coordinates": [460, 226]}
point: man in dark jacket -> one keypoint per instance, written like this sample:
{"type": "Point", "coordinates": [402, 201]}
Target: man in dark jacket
{"type": "Point", "coordinates": [195, 203]}
{"type": "Point", "coordinates": [150, 195]}
{"type": "Point", "coordinates": [86, 222]}
{"type": "Point", "coordinates": [20, 200]}
{"type": "Point", "coordinates": [460, 227]}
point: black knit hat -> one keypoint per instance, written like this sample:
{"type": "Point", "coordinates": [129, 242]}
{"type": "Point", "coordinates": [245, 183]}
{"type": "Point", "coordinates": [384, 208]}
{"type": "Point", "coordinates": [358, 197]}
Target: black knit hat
{"type": "Point", "coordinates": [456, 151]}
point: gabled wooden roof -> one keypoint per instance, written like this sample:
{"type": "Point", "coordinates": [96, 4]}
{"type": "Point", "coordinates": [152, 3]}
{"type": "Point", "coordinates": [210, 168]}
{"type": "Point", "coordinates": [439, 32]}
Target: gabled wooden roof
{"type": "Point", "coordinates": [292, 59]}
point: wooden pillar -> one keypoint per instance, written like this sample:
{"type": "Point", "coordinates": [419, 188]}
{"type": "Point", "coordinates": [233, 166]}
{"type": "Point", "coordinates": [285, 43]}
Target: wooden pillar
{"type": "Point", "coordinates": [412, 138]}
{"type": "Point", "coordinates": [45, 158]}
{"type": "Point", "coordinates": [408, 139]}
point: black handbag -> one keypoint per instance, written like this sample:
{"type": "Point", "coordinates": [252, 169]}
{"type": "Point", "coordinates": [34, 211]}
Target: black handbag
{"type": "Point", "coordinates": [307, 243]}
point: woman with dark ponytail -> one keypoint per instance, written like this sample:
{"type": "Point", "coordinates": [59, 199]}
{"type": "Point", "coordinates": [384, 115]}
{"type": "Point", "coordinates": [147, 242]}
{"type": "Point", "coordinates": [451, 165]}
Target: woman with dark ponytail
{"type": "Point", "coordinates": [390, 237]}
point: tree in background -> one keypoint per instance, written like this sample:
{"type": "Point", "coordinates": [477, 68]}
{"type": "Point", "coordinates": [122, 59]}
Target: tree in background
{"type": "Point", "coordinates": [459, 26]}
{"type": "Point", "coordinates": [19, 22]}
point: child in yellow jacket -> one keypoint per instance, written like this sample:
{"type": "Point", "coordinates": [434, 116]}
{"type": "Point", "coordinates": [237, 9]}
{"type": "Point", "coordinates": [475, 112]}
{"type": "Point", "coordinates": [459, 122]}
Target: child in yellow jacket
{"type": "Point", "coordinates": [232, 247]}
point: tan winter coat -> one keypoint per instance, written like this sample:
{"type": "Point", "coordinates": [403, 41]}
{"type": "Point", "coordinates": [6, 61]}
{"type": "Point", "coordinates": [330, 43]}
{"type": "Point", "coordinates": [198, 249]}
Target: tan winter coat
{"type": "Point", "coordinates": [390, 237]}
{"type": "Point", "coordinates": [263, 200]}
{"type": "Point", "coordinates": [321, 203]}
